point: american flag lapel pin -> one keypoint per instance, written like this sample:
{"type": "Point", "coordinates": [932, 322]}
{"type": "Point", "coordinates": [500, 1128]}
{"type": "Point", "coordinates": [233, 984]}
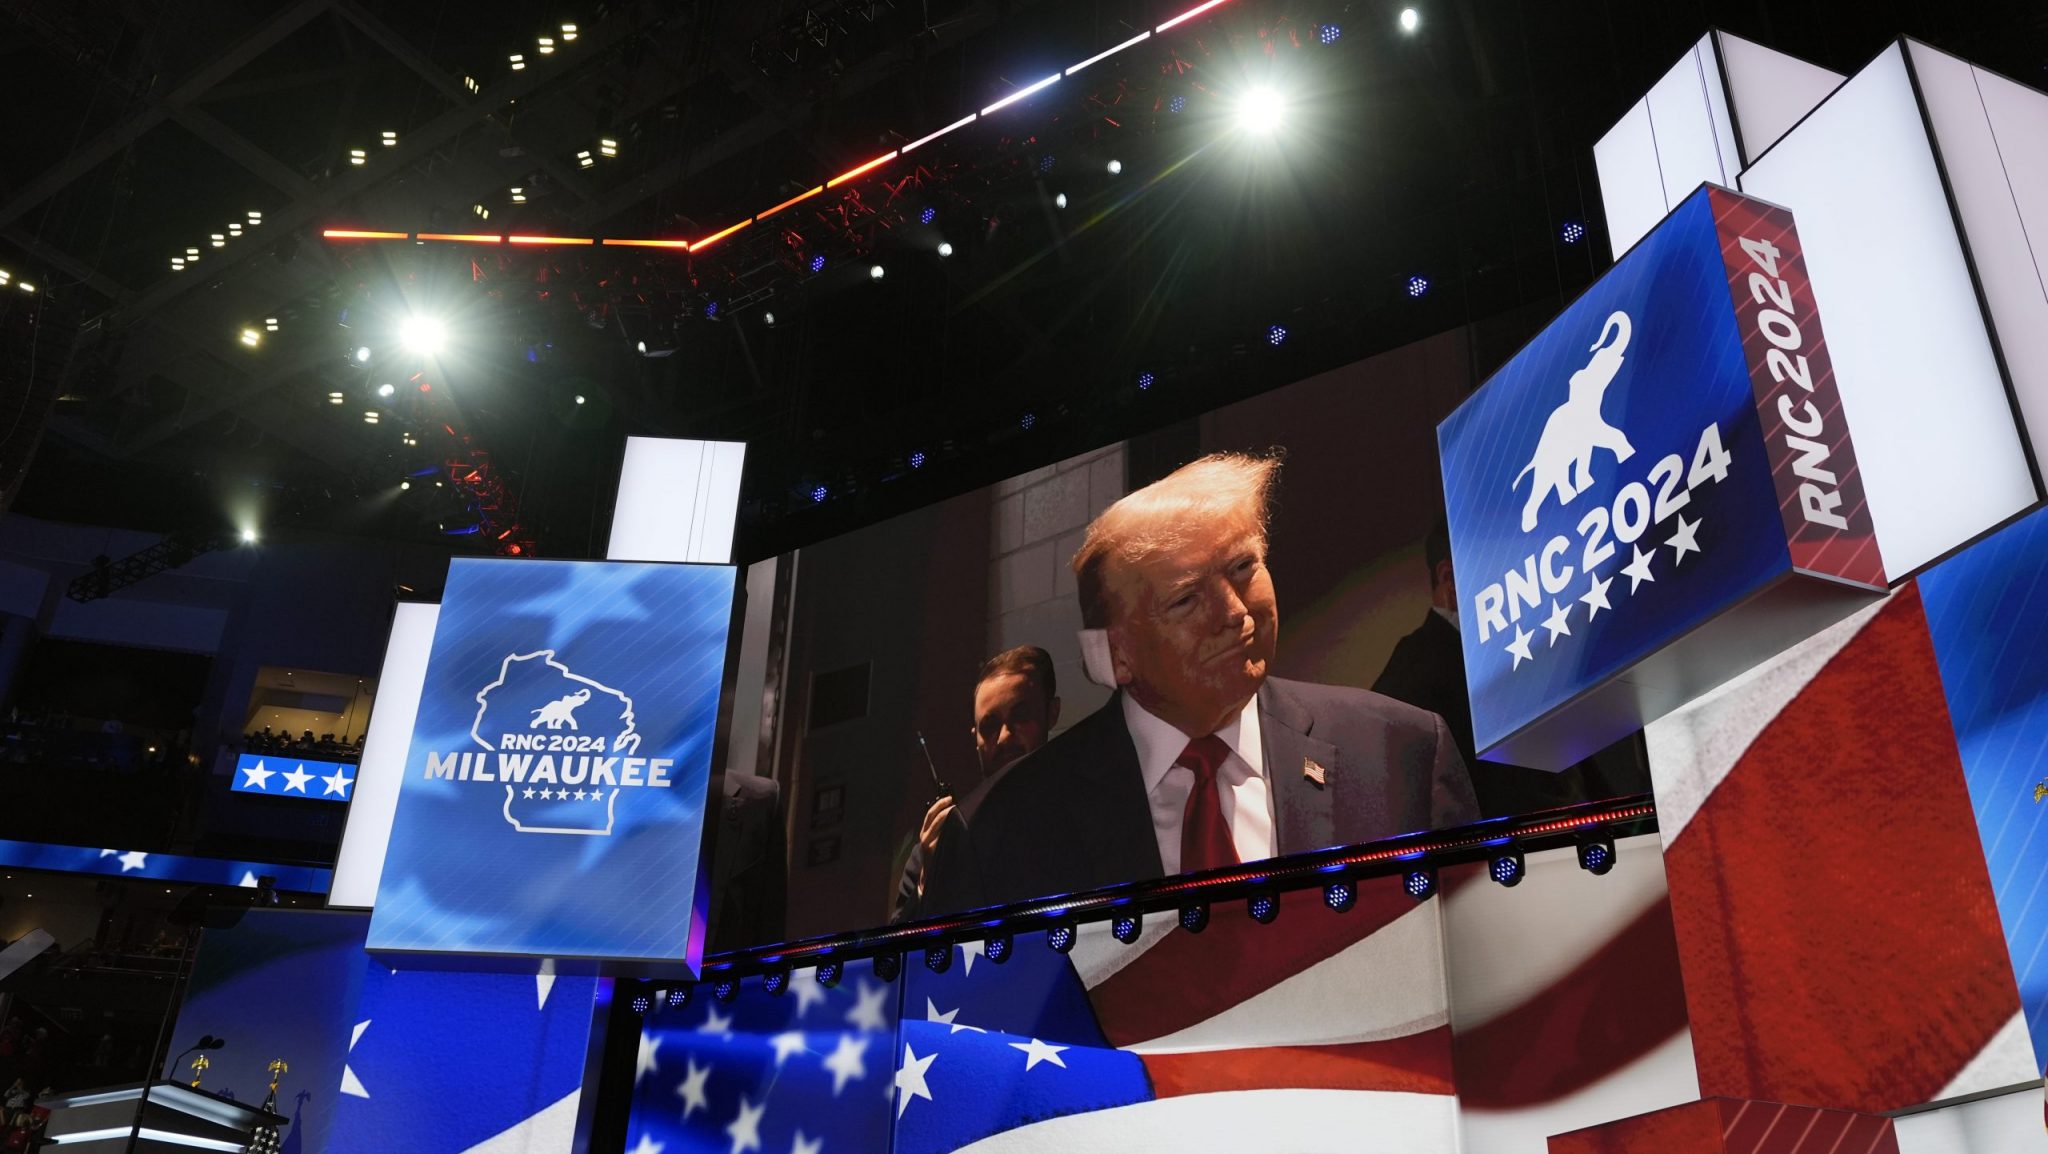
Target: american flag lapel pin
{"type": "Point", "coordinates": [1313, 771]}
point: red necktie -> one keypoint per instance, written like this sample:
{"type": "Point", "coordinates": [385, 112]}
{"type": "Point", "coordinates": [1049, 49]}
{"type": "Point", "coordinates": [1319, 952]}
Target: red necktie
{"type": "Point", "coordinates": [1204, 836]}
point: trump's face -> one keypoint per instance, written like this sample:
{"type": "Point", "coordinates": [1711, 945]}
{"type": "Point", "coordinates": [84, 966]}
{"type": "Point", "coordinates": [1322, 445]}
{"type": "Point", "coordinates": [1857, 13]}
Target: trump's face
{"type": "Point", "coordinates": [1192, 628]}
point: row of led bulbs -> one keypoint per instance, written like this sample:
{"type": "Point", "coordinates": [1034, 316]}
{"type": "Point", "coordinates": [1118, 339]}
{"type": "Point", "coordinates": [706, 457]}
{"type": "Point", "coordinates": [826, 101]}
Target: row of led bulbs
{"type": "Point", "coordinates": [190, 257]}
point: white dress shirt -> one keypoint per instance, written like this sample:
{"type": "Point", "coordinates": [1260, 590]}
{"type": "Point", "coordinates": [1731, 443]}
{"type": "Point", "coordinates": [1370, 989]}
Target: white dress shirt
{"type": "Point", "coordinates": [1241, 780]}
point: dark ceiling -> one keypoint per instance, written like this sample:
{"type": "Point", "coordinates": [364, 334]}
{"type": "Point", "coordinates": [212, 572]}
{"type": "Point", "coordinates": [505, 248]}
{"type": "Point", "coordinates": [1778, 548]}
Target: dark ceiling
{"type": "Point", "coordinates": [137, 129]}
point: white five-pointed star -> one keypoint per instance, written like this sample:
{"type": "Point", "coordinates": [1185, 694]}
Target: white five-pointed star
{"type": "Point", "coordinates": [1559, 621]}
{"type": "Point", "coordinates": [528, 792]}
{"type": "Point", "coordinates": [646, 1063]}
{"type": "Point", "coordinates": [1638, 570]}
{"type": "Point", "coordinates": [134, 859]}
{"type": "Point", "coordinates": [848, 1062]}
{"type": "Point", "coordinates": [1520, 647]}
{"type": "Point", "coordinates": [1682, 541]}
{"type": "Point", "coordinates": [1036, 1051]}
{"type": "Point", "coordinates": [581, 794]}
{"type": "Point", "coordinates": [746, 1129]}
{"type": "Point", "coordinates": [803, 984]}
{"type": "Point", "coordinates": [258, 776]}
{"type": "Point", "coordinates": [297, 779]}
{"type": "Point", "coordinates": [814, 1146]}
{"type": "Point", "coordinates": [338, 782]}
{"type": "Point", "coordinates": [931, 1014]}
{"type": "Point", "coordinates": [910, 1081]}
{"type": "Point", "coordinates": [785, 1044]}
{"type": "Point", "coordinates": [867, 1013]}
{"type": "Point", "coordinates": [716, 1023]}
{"type": "Point", "coordinates": [1595, 597]}
{"type": "Point", "coordinates": [970, 951]}
{"type": "Point", "coordinates": [691, 1089]}
{"type": "Point", "coordinates": [647, 1146]}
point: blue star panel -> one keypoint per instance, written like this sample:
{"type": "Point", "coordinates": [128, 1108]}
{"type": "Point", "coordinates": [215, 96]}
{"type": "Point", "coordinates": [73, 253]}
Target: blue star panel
{"type": "Point", "coordinates": [553, 797]}
{"type": "Point", "coordinates": [1987, 608]}
{"type": "Point", "coordinates": [169, 867]}
{"type": "Point", "coordinates": [281, 775]}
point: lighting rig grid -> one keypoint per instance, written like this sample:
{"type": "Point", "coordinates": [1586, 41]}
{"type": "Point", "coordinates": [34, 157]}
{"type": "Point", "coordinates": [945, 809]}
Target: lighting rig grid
{"type": "Point", "coordinates": [1393, 858]}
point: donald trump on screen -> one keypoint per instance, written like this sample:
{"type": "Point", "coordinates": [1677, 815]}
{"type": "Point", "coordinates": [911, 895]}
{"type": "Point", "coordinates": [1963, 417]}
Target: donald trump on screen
{"type": "Point", "coordinates": [1201, 759]}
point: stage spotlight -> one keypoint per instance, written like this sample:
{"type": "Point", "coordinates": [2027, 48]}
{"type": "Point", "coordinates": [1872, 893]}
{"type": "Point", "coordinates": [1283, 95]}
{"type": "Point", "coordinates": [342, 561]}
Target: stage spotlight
{"type": "Point", "coordinates": [997, 948]}
{"type": "Point", "coordinates": [372, 417]}
{"type": "Point", "coordinates": [938, 959]}
{"type": "Point", "coordinates": [1340, 895]}
{"type": "Point", "coordinates": [876, 272]}
{"type": "Point", "coordinates": [641, 1004]}
{"type": "Point", "coordinates": [248, 536]}
{"type": "Point", "coordinates": [251, 338]}
{"type": "Point", "coordinates": [1045, 163]}
{"type": "Point", "coordinates": [917, 459]}
{"type": "Point", "coordinates": [1126, 927]}
{"type": "Point", "coordinates": [945, 248]}
{"type": "Point", "coordinates": [584, 159]}
{"type": "Point", "coordinates": [679, 997]}
{"type": "Point", "coordinates": [547, 45]}
{"type": "Point", "coordinates": [828, 974]}
{"type": "Point", "coordinates": [929, 215]}
{"type": "Point", "coordinates": [518, 62]}
{"type": "Point", "coordinates": [390, 139]}
{"type": "Point", "coordinates": [1508, 868]}
{"type": "Point", "coordinates": [1572, 233]}
{"type": "Point", "coordinates": [1276, 336]}
{"type": "Point", "coordinates": [710, 310]}
{"type": "Point", "coordinates": [579, 398]}
{"type": "Point", "coordinates": [336, 399]}
{"type": "Point", "coordinates": [776, 980]}
{"type": "Point", "coordinates": [1059, 200]}
{"type": "Point", "coordinates": [362, 354]}
{"type": "Point", "coordinates": [404, 485]}
{"type": "Point", "coordinates": [887, 966]}
{"type": "Point", "coordinates": [1146, 381]}
{"type": "Point", "coordinates": [1116, 168]}
{"type": "Point", "coordinates": [270, 324]}
{"type": "Point", "coordinates": [386, 389]}
{"type": "Point", "coordinates": [608, 147]}
{"type": "Point", "coordinates": [568, 33]}
{"type": "Point", "coordinates": [1177, 104]}
{"type": "Point", "coordinates": [422, 335]}
{"type": "Point", "coordinates": [1028, 420]}
{"type": "Point", "coordinates": [818, 494]}
{"type": "Point", "coordinates": [1059, 937]}
{"type": "Point", "coordinates": [1417, 285]}
{"type": "Point", "coordinates": [818, 263]}
{"type": "Point", "coordinates": [357, 157]}
{"type": "Point", "coordinates": [1263, 906]}
{"type": "Point", "coordinates": [725, 989]}
{"type": "Point", "coordinates": [1410, 19]}
{"type": "Point", "coordinates": [1596, 855]}
{"type": "Point", "coordinates": [1420, 884]}
{"type": "Point", "coordinates": [1259, 110]}
{"type": "Point", "coordinates": [1328, 33]}
{"type": "Point", "coordinates": [768, 319]}
{"type": "Point", "coordinates": [1195, 918]}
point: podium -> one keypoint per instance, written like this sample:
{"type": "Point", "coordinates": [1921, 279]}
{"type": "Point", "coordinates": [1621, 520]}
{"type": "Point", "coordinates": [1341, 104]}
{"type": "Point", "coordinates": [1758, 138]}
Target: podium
{"type": "Point", "coordinates": [177, 1118]}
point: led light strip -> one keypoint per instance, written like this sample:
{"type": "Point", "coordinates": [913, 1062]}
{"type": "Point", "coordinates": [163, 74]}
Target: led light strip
{"type": "Point", "coordinates": [714, 238]}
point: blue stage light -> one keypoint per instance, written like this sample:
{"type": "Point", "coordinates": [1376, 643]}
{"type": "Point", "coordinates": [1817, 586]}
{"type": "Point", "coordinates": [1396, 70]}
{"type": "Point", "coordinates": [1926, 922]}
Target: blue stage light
{"type": "Point", "coordinates": [1507, 869]}
{"type": "Point", "coordinates": [1145, 381]}
{"type": "Point", "coordinates": [776, 980]}
{"type": "Point", "coordinates": [1177, 103]}
{"type": "Point", "coordinates": [1028, 420]}
{"type": "Point", "coordinates": [828, 974]}
{"type": "Point", "coordinates": [725, 989]}
{"type": "Point", "coordinates": [1125, 927]}
{"type": "Point", "coordinates": [641, 1003]}
{"type": "Point", "coordinates": [1596, 855]}
{"type": "Point", "coordinates": [678, 997]}
{"type": "Point", "coordinates": [1263, 906]}
{"type": "Point", "coordinates": [1420, 884]}
{"type": "Point", "coordinates": [818, 263]}
{"type": "Point", "coordinates": [710, 310]}
{"type": "Point", "coordinates": [1573, 232]}
{"type": "Point", "coordinates": [1276, 336]}
{"type": "Point", "coordinates": [938, 959]}
{"type": "Point", "coordinates": [1328, 33]}
{"type": "Point", "coordinates": [1340, 895]}
{"type": "Point", "coordinates": [1045, 163]}
{"type": "Point", "coordinates": [929, 215]}
{"type": "Point", "coordinates": [818, 495]}
{"type": "Point", "coordinates": [997, 948]}
{"type": "Point", "coordinates": [1195, 918]}
{"type": "Point", "coordinates": [1417, 285]}
{"type": "Point", "coordinates": [917, 459]}
{"type": "Point", "coordinates": [887, 966]}
{"type": "Point", "coordinates": [1059, 937]}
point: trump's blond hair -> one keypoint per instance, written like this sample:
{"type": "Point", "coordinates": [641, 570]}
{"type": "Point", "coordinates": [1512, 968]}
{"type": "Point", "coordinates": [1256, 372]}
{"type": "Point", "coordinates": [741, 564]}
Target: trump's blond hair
{"type": "Point", "coordinates": [1159, 518]}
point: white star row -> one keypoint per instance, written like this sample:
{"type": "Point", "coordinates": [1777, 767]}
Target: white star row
{"type": "Point", "coordinates": [258, 778]}
{"type": "Point", "coordinates": [1558, 623]}
{"type": "Point", "coordinates": [563, 794]}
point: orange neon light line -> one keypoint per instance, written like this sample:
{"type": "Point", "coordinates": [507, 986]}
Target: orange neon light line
{"type": "Point", "coordinates": [846, 176]}
{"type": "Point", "coordinates": [613, 243]}
{"type": "Point", "coordinates": [463, 237]}
{"type": "Point", "coordinates": [358, 234]}
{"type": "Point", "coordinates": [715, 237]}
{"type": "Point", "coordinates": [801, 196]}
{"type": "Point", "coordinates": [551, 240]}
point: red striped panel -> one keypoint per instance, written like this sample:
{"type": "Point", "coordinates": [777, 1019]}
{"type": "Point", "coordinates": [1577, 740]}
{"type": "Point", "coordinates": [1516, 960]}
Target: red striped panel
{"type": "Point", "coordinates": [1694, 1128]}
{"type": "Point", "coordinates": [1771, 1128]}
{"type": "Point", "coordinates": [1834, 915]}
{"type": "Point", "coordinates": [1416, 1063]}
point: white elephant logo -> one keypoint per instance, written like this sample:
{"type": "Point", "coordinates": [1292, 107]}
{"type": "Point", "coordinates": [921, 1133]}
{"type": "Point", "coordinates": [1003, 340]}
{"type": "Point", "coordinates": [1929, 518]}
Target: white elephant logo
{"type": "Point", "coordinates": [1564, 454]}
{"type": "Point", "coordinates": [559, 712]}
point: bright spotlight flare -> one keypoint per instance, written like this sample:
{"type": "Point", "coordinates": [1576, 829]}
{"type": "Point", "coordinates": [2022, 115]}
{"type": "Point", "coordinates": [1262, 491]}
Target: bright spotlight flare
{"type": "Point", "coordinates": [1260, 110]}
{"type": "Point", "coordinates": [423, 335]}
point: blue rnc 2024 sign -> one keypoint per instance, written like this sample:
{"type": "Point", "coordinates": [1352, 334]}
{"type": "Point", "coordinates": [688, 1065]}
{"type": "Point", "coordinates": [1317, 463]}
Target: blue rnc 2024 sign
{"type": "Point", "coordinates": [554, 793]}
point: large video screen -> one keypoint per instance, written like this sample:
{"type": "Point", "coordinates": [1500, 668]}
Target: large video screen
{"type": "Point", "coordinates": [1231, 639]}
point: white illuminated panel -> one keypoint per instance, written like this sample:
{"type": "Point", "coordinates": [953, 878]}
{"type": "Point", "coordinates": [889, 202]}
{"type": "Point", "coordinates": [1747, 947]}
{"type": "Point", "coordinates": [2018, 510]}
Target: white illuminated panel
{"type": "Point", "coordinates": [1993, 136]}
{"type": "Point", "coordinates": [1675, 138]}
{"type": "Point", "coordinates": [678, 500]}
{"type": "Point", "coordinates": [1631, 188]}
{"type": "Point", "coordinates": [1769, 90]}
{"type": "Point", "coordinates": [368, 833]}
{"type": "Point", "coordinates": [1935, 434]}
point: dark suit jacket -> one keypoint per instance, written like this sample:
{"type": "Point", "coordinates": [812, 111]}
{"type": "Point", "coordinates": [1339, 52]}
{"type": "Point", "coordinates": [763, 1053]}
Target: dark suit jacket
{"type": "Point", "coordinates": [1075, 816]}
{"type": "Point", "coordinates": [749, 870]}
{"type": "Point", "coordinates": [1427, 670]}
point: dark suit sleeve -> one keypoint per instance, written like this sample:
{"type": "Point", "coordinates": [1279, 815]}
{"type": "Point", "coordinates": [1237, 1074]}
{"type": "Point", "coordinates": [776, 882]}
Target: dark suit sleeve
{"type": "Point", "coordinates": [951, 882]}
{"type": "Point", "coordinates": [907, 898]}
{"type": "Point", "coordinates": [1452, 801]}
